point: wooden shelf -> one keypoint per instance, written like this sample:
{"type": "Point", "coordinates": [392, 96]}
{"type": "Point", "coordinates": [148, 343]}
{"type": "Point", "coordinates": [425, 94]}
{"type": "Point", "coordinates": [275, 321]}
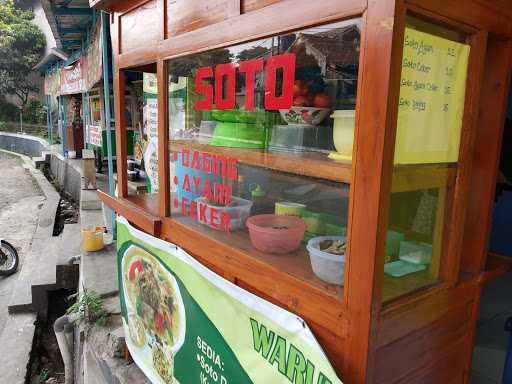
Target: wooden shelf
{"type": "Point", "coordinates": [139, 209]}
{"type": "Point", "coordinates": [423, 176]}
{"type": "Point", "coordinates": [296, 264]}
{"type": "Point", "coordinates": [318, 165]}
{"type": "Point", "coordinates": [136, 187]}
{"type": "Point", "coordinates": [148, 202]}
{"type": "Point", "coordinates": [396, 287]}
{"type": "Point", "coordinates": [312, 164]}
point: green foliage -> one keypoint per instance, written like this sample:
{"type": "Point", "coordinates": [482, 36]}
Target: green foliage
{"type": "Point", "coordinates": [44, 375]}
{"type": "Point", "coordinates": [88, 306]}
{"type": "Point", "coordinates": [8, 111]}
{"type": "Point", "coordinates": [34, 112]}
{"type": "Point", "coordinates": [253, 53]}
{"type": "Point", "coordinates": [21, 47]}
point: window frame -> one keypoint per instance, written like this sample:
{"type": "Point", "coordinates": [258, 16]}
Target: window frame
{"type": "Point", "coordinates": [449, 274]}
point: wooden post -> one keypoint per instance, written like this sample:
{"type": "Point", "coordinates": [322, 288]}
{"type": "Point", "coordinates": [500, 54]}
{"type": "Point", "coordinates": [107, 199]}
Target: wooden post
{"type": "Point", "coordinates": [163, 138]}
{"type": "Point", "coordinates": [377, 106]}
{"type": "Point", "coordinates": [119, 89]}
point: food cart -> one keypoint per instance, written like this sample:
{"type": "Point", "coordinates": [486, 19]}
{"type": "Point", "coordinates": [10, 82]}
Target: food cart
{"type": "Point", "coordinates": [96, 128]}
{"type": "Point", "coordinates": [334, 158]}
{"type": "Point", "coordinates": [72, 87]}
{"type": "Point", "coordinates": [94, 114]}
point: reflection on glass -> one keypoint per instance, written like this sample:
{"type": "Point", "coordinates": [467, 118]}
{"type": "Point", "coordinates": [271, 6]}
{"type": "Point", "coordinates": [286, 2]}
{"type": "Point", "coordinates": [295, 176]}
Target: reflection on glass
{"type": "Point", "coordinates": [277, 93]}
{"type": "Point", "coordinates": [141, 118]}
{"type": "Point", "coordinates": [431, 106]}
{"type": "Point", "coordinates": [253, 129]}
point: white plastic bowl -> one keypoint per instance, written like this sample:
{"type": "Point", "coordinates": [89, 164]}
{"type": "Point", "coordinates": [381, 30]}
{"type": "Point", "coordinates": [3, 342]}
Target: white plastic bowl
{"type": "Point", "coordinates": [307, 116]}
{"type": "Point", "coordinates": [328, 267]}
{"type": "Point", "coordinates": [237, 213]}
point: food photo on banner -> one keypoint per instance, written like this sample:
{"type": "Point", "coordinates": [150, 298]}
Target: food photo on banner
{"type": "Point", "coordinates": [186, 324]}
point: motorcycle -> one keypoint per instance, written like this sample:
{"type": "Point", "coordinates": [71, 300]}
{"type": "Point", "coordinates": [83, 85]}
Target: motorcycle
{"type": "Point", "coordinates": [8, 258]}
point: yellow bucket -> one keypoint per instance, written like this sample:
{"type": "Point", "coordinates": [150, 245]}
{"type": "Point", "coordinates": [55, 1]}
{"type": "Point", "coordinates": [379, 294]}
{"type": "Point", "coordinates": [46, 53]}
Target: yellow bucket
{"type": "Point", "coordinates": [92, 239]}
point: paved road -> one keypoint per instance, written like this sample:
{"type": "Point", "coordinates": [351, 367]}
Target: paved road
{"type": "Point", "coordinates": [20, 201]}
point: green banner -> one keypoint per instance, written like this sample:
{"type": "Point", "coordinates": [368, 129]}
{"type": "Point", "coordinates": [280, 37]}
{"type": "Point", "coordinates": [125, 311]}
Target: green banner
{"type": "Point", "coordinates": [185, 324]}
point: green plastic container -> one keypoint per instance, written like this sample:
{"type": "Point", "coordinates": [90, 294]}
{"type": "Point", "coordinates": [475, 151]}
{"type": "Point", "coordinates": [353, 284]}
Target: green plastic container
{"type": "Point", "coordinates": [393, 240]}
{"type": "Point", "coordinates": [322, 224]}
{"type": "Point", "coordinates": [239, 135]}
{"type": "Point", "coordinates": [238, 128]}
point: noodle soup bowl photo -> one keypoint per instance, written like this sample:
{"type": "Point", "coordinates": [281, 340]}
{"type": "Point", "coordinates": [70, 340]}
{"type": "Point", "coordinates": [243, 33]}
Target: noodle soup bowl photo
{"type": "Point", "coordinates": [155, 312]}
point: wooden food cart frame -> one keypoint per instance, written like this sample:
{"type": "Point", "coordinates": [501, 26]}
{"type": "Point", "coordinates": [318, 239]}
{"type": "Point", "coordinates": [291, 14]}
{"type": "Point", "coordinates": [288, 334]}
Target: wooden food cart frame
{"type": "Point", "coordinates": [426, 335]}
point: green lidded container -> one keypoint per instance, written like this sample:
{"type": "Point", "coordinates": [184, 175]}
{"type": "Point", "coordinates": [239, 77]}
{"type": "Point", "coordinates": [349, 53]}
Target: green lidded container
{"type": "Point", "coordinates": [243, 129]}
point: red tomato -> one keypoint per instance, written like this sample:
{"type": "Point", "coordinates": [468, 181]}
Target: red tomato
{"type": "Point", "coordinates": [296, 90]}
{"type": "Point", "coordinates": [300, 88]}
{"type": "Point", "coordinates": [300, 101]}
{"type": "Point", "coordinates": [322, 100]}
{"type": "Point", "coordinates": [136, 265]}
{"type": "Point", "coordinates": [159, 323]}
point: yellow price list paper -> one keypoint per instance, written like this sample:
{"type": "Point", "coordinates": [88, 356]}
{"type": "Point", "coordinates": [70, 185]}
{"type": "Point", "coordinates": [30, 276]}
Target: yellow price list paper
{"type": "Point", "coordinates": [431, 105]}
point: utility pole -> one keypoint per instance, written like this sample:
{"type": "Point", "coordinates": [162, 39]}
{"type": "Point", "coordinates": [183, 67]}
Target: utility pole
{"type": "Point", "coordinates": [21, 119]}
{"type": "Point", "coordinates": [106, 103]}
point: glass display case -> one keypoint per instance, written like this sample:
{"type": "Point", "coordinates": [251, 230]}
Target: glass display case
{"type": "Point", "coordinates": [260, 143]}
{"type": "Point", "coordinates": [325, 157]}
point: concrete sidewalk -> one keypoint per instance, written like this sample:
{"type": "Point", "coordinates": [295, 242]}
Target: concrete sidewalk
{"type": "Point", "coordinates": [20, 202]}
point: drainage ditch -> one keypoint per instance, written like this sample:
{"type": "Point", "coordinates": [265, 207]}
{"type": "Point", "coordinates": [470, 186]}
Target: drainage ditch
{"type": "Point", "coordinates": [68, 210]}
{"type": "Point", "coordinates": [46, 362]}
{"type": "Point", "coordinates": [46, 365]}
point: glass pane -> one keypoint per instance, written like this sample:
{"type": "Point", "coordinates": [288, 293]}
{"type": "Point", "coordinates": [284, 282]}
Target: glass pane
{"type": "Point", "coordinates": [261, 145]}
{"type": "Point", "coordinates": [432, 91]}
{"type": "Point", "coordinates": [141, 118]}
{"type": "Point", "coordinates": [95, 114]}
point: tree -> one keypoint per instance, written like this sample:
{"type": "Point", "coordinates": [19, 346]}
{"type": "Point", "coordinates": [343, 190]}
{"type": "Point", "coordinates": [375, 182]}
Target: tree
{"type": "Point", "coordinates": [253, 53]}
{"type": "Point", "coordinates": [21, 47]}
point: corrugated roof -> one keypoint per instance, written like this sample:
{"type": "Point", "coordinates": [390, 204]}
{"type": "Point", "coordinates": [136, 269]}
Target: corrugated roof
{"type": "Point", "coordinates": [69, 20]}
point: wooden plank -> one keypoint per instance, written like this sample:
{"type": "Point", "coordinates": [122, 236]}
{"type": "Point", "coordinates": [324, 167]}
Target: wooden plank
{"type": "Point", "coordinates": [162, 19]}
{"type": "Point", "coordinates": [135, 213]}
{"type": "Point", "coordinates": [119, 102]}
{"type": "Point", "coordinates": [486, 157]}
{"type": "Point", "coordinates": [140, 27]}
{"type": "Point", "coordinates": [146, 202]}
{"type": "Point", "coordinates": [403, 318]}
{"type": "Point", "coordinates": [188, 15]}
{"type": "Point", "coordinates": [377, 107]}
{"type": "Point", "coordinates": [493, 104]}
{"type": "Point", "coordinates": [399, 360]}
{"type": "Point", "coordinates": [450, 266]}
{"type": "Point", "coordinates": [312, 164]}
{"type": "Point", "coordinates": [250, 26]}
{"type": "Point", "coordinates": [304, 295]}
{"type": "Point", "coordinates": [253, 5]}
{"type": "Point", "coordinates": [115, 5]}
{"type": "Point", "coordinates": [470, 338]}
{"type": "Point", "coordinates": [493, 107]}
{"type": "Point", "coordinates": [473, 13]}
{"type": "Point", "coordinates": [164, 192]}
{"type": "Point", "coordinates": [446, 367]}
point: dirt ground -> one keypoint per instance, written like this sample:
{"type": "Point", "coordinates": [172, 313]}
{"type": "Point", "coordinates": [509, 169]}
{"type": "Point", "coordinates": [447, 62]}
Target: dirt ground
{"type": "Point", "coordinates": [20, 201]}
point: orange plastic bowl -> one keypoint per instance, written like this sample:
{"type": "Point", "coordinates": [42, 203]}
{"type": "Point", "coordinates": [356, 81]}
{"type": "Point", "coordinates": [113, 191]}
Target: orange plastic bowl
{"type": "Point", "coordinates": [276, 233]}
